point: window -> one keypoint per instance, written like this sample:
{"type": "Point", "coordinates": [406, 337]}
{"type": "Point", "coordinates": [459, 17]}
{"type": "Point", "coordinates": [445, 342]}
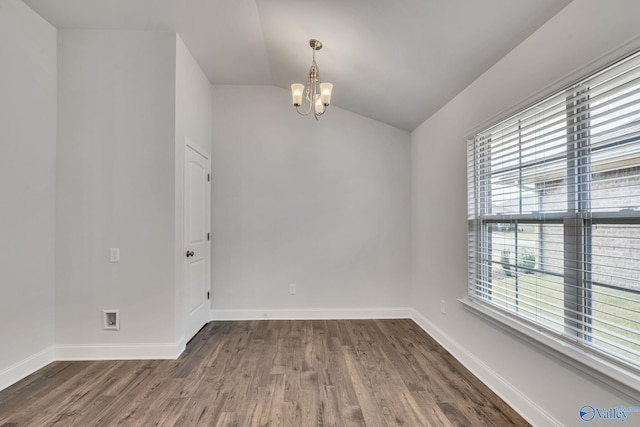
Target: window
{"type": "Point", "coordinates": [554, 215]}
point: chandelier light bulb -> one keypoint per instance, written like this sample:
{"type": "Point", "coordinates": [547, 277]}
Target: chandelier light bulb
{"type": "Point", "coordinates": [318, 106]}
{"type": "Point", "coordinates": [325, 93]}
{"type": "Point", "coordinates": [297, 89]}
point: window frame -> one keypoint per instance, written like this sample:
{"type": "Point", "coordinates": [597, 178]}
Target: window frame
{"type": "Point", "coordinates": [577, 222]}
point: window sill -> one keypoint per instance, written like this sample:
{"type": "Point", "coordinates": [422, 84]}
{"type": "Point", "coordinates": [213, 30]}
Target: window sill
{"type": "Point", "coordinates": [609, 373]}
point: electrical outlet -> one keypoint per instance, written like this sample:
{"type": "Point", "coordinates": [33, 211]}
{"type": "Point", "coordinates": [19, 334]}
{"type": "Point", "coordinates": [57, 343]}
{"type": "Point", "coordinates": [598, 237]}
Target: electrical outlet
{"type": "Point", "coordinates": [114, 255]}
{"type": "Point", "coordinates": [292, 289]}
{"type": "Point", "coordinates": [443, 307]}
{"type": "Point", "coordinates": [111, 319]}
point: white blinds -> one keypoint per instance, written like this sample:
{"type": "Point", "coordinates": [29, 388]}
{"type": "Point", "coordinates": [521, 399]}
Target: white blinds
{"type": "Point", "coordinates": [554, 213]}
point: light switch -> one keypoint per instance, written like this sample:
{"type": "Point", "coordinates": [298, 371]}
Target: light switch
{"type": "Point", "coordinates": [114, 255]}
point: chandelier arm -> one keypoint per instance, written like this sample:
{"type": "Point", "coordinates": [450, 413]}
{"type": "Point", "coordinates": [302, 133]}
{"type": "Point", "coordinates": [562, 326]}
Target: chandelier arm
{"type": "Point", "coordinates": [308, 100]}
{"type": "Point", "coordinates": [304, 114]}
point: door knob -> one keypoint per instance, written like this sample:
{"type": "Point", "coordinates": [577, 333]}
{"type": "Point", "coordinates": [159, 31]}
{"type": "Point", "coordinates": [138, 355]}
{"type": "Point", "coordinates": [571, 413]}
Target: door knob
{"type": "Point", "coordinates": [190, 253]}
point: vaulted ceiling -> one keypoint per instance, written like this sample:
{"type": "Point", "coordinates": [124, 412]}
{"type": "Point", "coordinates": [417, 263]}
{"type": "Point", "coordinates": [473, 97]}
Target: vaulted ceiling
{"type": "Point", "coordinates": [396, 61]}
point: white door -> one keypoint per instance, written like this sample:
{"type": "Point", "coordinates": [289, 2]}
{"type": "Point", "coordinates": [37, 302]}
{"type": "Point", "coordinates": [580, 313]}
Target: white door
{"type": "Point", "coordinates": [197, 244]}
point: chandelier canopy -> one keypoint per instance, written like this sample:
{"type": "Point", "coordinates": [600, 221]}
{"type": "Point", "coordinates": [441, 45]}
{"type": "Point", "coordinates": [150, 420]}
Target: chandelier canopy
{"type": "Point", "coordinates": [318, 94]}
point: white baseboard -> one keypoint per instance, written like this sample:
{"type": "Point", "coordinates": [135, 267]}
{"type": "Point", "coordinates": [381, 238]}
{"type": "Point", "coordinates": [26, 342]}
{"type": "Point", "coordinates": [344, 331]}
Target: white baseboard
{"type": "Point", "coordinates": [313, 314]}
{"type": "Point", "coordinates": [527, 408]}
{"type": "Point", "coordinates": [23, 368]}
{"type": "Point", "coordinates": [180, 346]}
{"type": "Point", "coordinates": [118, 351]}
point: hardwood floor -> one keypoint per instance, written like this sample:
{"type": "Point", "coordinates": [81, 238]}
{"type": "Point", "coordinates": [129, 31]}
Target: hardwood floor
{"type": "Point", "coordinates": [268, 373]}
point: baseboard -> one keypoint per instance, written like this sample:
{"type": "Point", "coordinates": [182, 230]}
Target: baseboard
{"type": "Point", "coordinates": [118, 351]}
{"type": "Point", "coordinates": [313, 314]}
{"type": "Point", "coordinates": [180, 346]}
{"type": "Point", "coordinates": [527, 408]}
{"type": "Point", "coordinates": [28, 366]}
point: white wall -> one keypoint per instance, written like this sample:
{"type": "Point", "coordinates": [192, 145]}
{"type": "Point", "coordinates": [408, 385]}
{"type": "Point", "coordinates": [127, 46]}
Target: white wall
{"type": "Point", "coordinates": [323, 205]}
{"type": "Point", "coordinates": [27, 186]}
{"type": "Point", "coordinates": [540, 387]}
{"type": "Point", "coordinates": [116, 147]}
{"type": "Point", "coordinates": [194, 113]}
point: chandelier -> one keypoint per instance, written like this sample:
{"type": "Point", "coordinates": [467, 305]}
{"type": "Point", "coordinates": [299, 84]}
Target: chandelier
{"type": "Point", "coordinates": [318, 94]}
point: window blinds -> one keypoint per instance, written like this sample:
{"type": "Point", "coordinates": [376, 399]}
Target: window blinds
{"type": "Point", "coordinates": [554, 213]}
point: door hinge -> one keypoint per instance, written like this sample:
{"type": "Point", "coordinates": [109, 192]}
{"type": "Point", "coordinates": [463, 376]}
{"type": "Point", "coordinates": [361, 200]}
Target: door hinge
{"type": "Point", "coordinates": [208, 177]}
{"type": "Point", "coordinates": [208, 295]}
{"type": "Point", "coordinates": [208, 236]}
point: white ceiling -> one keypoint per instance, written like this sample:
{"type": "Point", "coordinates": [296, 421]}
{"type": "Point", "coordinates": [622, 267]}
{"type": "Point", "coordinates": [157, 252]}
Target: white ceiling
{"type": "Point", "coordinates": [396, 61]}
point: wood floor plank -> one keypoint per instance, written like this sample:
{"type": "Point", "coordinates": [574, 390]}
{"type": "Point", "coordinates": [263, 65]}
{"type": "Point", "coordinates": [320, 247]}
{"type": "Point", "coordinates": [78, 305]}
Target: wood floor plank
{"type": "Point", "coordinates": [385, 381]}
{"type": "Point", "coordinates": [371, 412]}
{"type": "Point", "coordinates": [339, 373]}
